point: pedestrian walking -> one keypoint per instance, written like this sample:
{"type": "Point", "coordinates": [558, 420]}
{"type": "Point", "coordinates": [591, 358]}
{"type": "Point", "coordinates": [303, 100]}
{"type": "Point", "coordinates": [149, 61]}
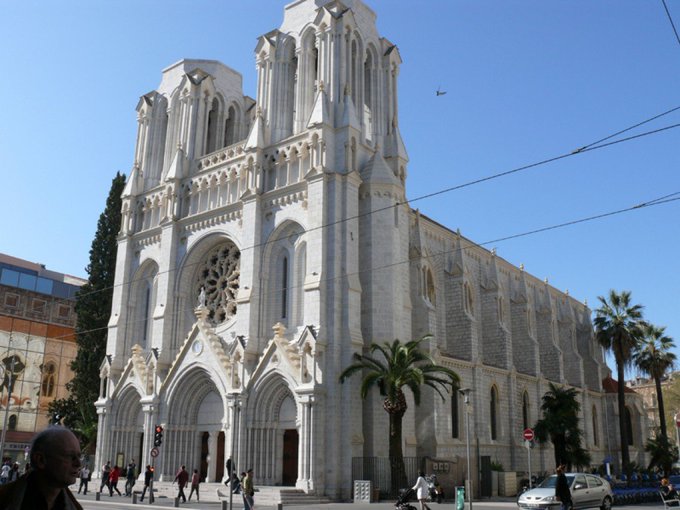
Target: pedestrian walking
{"type": "Point", "coordinates": [113, 481]}
{"type": "Point", "coordinates": [562, 492]}
{"type": "Point", "coordinates": [195, 480]}
{"type": "Point", "coordinates": [130, 478]}
{"type": "Point", "coordinates": [148, 478]}
{"type": "Point", "coordinates": [84, 478]}
{"type": "Point", "coordinates": [4, 472]}
{"type": "Point", "coordinates": [422, 490]}
{"type": "Point", "coordinates": [14, 473]}
{"type": "Point", "coordinates": [106, 473]}
{"type": "Point", "coordinates": [182, 478]}
{"type": "Point", "coordinates": [248, 490]}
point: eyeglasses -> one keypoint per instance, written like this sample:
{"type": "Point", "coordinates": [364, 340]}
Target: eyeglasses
{"type": "Point", "coordinates": [73, 457]}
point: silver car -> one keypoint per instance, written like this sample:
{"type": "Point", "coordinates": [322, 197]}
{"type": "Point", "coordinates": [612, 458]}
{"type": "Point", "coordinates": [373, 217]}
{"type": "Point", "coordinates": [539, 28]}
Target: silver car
{"type": "Point", "coordinates": [587, 491]}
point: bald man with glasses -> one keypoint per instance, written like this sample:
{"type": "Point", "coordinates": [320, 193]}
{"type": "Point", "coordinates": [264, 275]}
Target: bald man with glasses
{"type": "Point", "coordinates": [55, 464]}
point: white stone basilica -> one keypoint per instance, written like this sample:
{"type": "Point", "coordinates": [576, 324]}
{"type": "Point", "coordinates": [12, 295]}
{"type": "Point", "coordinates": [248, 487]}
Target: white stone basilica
{"type": "Point", "coordinates": [265, 241]}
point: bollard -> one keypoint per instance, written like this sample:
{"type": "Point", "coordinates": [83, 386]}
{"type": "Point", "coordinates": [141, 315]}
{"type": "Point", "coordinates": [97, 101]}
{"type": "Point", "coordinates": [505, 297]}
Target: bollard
{"type": "Point", "coordinates": [97, 496]}
{"type": "Point", "coordinates": [279, 506]}
{"type": "Point", "coordinates": [176, 502]}
{"type": "Point", "coordinates": [134, 498]}
{"type": "Point", "coordinates": [225, 505]}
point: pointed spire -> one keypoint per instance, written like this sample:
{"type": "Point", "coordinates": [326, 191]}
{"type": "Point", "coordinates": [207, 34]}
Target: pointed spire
{"type": "Point", "coordinates": [377, 170]}
{"type": "Point", "coordinates": [394, 145]}
{"type": "Point", "coordinates": [456, 262]}
{"type": "Point", "coordinates": [349, 114]}
{"type": "Point", "coordinates": [256, 137]}
{"type": "Point", "coordinates": [176, 169]}
{"type": "Point", "coordinates": [520, 293]}
{"type": "Point", "coordinates": [492, 275]}
{"type": "Point", "coordinates": [133, 186]}
{"type": "Point", "coordinates": [319, 115]}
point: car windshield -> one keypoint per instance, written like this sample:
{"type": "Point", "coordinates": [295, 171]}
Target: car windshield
{"type": "Point", "coordinates": [551, 481]}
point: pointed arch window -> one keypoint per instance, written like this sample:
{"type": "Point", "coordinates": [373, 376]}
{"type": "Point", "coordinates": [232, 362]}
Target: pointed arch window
{"type": "Point", "coordinates": [468, 298]}
{"type": "Point", "coordinates": [596, 439]}
{"type": "Point", "coordinates": [211, 134]}
{"type": "Point", "coordinates": [629, 426]}
{"type": "Point", "coordinates": [493, 413]}
{"type": "Point", "coordinates": [230, 127]}
{"type": "Point", "coordinates": [427, 286]}
{"type": "Point", "coordinates": [12, 425]}
{"type": "Point", "coordinates": [284, 287]}
{"type": "Point", "coordinates": [526, 418]}
{"type": "Point", "coordinates": [146, 308]}
{"type": "Point", "coordinates": [48, 380]}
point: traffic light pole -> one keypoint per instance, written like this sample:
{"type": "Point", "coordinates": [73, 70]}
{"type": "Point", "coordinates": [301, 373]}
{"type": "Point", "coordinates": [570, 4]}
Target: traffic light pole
{"type": "Point", "coordinates": [153, 475]}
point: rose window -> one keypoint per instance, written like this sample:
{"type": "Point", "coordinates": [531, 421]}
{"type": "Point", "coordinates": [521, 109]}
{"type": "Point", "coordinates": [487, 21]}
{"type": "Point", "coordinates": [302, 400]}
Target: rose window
{"type": "Point", "coordinates": [218, 276]}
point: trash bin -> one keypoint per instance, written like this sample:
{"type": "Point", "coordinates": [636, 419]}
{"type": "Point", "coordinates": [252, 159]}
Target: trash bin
{"type": "Point", "coordinates": [460, 498]}
{"type": "Point", "coordinates": [376, 495]}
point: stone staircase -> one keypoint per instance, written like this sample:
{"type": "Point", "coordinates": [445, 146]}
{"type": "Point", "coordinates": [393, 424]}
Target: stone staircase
{"type": "Point", "coordinates": [267, 496]}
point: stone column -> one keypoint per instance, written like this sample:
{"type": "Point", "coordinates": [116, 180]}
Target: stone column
{"type": "Point", "coordinates": [102, 439]}
{"type": "Point", "coordinates": [149, 425]}
{"type": "Point", "coordinates": [212, 455]}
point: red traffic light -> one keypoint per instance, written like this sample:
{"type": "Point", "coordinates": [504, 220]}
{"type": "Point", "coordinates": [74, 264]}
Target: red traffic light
{"type": "Point", "coordinates": [159, 429]}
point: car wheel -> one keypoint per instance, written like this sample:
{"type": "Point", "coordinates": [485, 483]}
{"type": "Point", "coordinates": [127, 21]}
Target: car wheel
{"type": "Point", "coordinates": [606, 504]}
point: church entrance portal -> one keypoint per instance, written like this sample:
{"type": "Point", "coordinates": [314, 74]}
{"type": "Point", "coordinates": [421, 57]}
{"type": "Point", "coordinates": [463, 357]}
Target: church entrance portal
{"type": "Point", "coordinates": [290, 457]}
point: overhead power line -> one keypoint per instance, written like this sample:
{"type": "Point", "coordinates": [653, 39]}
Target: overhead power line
{"type": "Point", "coordinates": [665, 199]}
{"type": "Point", "coordinates": [596, 145]}
{"type": "Point", "coordinates": [670, 18]}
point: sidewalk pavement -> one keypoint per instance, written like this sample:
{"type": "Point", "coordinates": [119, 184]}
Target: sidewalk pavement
{"type": "Point", "coordinates": [116, 502]}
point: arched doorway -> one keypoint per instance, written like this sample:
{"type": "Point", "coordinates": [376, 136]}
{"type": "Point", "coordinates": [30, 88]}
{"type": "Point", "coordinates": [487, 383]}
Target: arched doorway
{"type": "Point", "coordinates": [195, 435]}
{"type": "Point", "coordinates": [272, 433]}
{"type": "Point", "coordinates": [127, 430]}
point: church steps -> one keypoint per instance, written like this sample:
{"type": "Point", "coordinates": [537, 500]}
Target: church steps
{"type": "Point", "coordinates": [269, 496]}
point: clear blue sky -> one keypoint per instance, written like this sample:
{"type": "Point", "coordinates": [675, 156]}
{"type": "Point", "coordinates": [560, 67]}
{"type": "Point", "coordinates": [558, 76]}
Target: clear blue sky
{"type": "Point", "coordinates": [525, 81]}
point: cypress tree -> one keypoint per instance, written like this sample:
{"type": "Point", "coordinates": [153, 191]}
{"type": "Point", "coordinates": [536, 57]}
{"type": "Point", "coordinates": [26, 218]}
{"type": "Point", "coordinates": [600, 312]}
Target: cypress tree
{"type": "Point", "coordinates": [93, 308]}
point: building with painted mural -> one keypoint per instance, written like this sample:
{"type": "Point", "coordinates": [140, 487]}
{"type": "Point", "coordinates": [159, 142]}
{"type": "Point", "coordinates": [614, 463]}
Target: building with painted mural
{"type": "Point", "coordinates": [37, 344]}
{"type": "Point", "coordinates": [266, 240]}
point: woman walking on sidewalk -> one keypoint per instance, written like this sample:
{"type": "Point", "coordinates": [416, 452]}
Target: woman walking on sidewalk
{"type": "Point", "coordinates": [422, 490]}
{"type": "Point", "coordinates": [195, 480]}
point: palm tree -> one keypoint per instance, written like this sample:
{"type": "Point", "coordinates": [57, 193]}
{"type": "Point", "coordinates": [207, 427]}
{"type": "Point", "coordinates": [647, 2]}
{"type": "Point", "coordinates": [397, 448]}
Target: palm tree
{"type": "Point", "coordinates": [654, 358]}
{"type": "Point", "coordinates": [617, 329]}
{"type": "Point", "coordinates": [559, 423]}
{"type": "Point", "coordinates": [398, 365]}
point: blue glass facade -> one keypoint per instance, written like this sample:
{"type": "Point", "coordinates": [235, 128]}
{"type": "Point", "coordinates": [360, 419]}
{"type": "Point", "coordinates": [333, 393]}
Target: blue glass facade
{"type": "Point", "coordinates": [27, 279]}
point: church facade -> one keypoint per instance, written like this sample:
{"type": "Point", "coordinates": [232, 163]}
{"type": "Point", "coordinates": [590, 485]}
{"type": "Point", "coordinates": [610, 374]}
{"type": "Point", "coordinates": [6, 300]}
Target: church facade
{"type": "Point", "coordinates": [264, 241]}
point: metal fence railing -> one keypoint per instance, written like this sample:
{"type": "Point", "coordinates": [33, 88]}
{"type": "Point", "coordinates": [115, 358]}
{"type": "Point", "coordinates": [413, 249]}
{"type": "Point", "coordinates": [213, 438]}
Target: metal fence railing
{"type": "Point", "coordinates": [377, 470]}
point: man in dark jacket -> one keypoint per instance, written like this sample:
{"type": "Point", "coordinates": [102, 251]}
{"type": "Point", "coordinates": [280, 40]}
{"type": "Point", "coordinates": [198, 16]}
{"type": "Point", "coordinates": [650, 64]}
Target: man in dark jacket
{"type": "Point", "coordinates": [55, 463]}
{"type": "Point", "coordinates": [562, 491]}
{"type": "Point", "coordinates": [182, 478]}
{"type": "Point", "coordinates": [148, 478]}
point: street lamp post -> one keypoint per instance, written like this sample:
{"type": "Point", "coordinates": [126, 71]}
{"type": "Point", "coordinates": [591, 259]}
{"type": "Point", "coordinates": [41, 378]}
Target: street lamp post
{"type": "Point", "coordinates": [466, 396]}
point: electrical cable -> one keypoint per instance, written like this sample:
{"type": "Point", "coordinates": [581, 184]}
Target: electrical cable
{"type": "Point", "coordinates": [672, 197]}
{"type": "Point", "coordinates": [668, 13]}
{"type": "Point", "coordinates": [581, 150]}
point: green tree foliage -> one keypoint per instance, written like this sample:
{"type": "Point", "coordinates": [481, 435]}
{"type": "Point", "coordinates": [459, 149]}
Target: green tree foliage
{"type": "Point", "coordinates": [559, 425]}
{"type": "Point", "coordinates": [391, 367]}
{"type": "Point", "coordinates": [671, 399]}
{"type": "Point", "coordinates": [654, 358]}
{"type": "Point", "coordinates": [93, 308]}
{"type": "Point", "coordinates": [663, 453]}
{"type": "Point", "coordinates": [617, 329]}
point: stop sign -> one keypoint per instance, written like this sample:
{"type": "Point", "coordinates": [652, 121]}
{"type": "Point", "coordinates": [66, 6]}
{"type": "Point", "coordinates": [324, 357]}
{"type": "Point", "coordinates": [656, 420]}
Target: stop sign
{"type": "Point", "coordinates": [528, 434]}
